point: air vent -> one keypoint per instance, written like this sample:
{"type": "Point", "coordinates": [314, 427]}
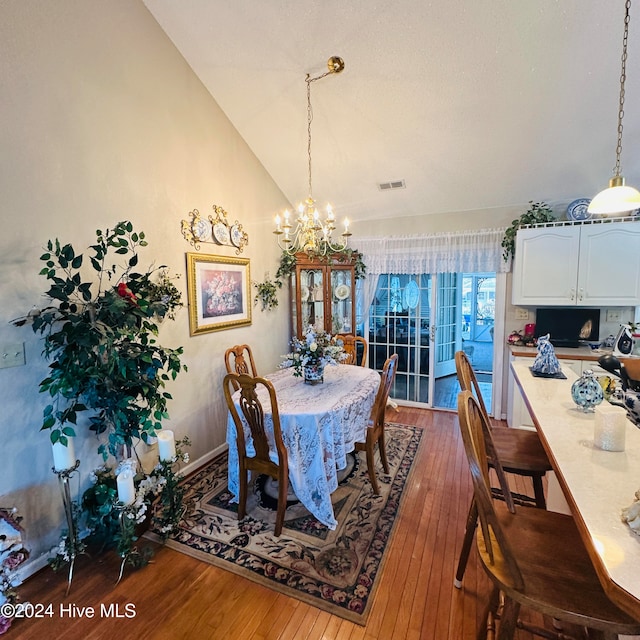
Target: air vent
{"type": "Point", "coordinates": [396, 184]}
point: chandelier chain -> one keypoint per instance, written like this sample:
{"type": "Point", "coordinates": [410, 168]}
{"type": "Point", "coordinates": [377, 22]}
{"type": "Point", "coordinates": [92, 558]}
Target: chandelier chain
{"type": "Point", "coordinates": [309, 80]}
{"type": "Point", "coordinates": [623, 77]}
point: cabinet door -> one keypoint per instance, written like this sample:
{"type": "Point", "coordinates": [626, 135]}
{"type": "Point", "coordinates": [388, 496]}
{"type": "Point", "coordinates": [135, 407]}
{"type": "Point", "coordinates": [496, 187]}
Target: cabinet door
{"type": "Point", "coordinates": [609, 265]}
{"type": "Point", "coordinates": [311, 294]}
{"type": "Point", "coordinates": [545, 269]}
{"type": "Point", "coordinates": [342, 300]}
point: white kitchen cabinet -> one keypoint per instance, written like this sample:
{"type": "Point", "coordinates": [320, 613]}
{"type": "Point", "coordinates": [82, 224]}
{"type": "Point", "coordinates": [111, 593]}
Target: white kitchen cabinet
{"type": "Point", "coordinates": [586, 265]}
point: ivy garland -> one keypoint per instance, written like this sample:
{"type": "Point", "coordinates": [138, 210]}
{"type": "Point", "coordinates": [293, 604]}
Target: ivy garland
{"type": "Point", "coordinates": [288, 263]}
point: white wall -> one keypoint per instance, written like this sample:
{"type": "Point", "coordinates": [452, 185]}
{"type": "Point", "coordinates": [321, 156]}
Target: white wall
{"type": "Point", "coordinates": [102, 120]}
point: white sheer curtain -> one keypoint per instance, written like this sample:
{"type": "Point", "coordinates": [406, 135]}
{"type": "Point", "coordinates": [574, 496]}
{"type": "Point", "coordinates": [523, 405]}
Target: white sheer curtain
{"type": "Point", "coordinates": [475, 251]}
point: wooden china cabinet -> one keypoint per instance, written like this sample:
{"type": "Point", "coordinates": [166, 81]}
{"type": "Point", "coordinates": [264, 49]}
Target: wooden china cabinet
{"type": "Point", "coordinates": [323, 294]}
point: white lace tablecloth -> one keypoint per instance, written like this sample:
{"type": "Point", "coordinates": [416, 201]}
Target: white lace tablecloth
{"type": "Point", "coordinates": [320, 425]}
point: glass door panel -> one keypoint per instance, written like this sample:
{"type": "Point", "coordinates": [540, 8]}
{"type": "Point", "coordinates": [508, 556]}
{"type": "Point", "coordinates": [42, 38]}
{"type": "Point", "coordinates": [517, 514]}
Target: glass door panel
{"type": "Point", "coordinates": [448, 338]}
{"type": "Point", "coordinates": [312, 298]}
{"type": "Point", "coordinates": [341, 301]}
{"type": "Point", "coordinates": [399, 322]}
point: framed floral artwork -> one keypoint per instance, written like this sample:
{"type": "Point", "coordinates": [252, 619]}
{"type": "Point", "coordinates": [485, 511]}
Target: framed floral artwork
{"type": "Point", "coordinates": [219, 293]}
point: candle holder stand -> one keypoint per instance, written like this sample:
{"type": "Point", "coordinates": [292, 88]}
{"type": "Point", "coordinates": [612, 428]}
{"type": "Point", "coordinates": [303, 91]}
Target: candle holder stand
{"type": "Point", "coordinates": [127, 535]}
{"type": "Point", "coordinates": [63, 480]}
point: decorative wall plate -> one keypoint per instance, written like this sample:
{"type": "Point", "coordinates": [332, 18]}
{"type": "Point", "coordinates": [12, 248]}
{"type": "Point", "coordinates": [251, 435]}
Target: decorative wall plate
{"type": "Point", "coordinates": [221, 233]}
{"type": "Point", "coordinates": [237, 235]}
{"type": "Point", "coordinates": [304, 293]}
{"type": "Point", "coordinates": [202, 229]}
{"type": "Point", "coordinates": [342, 292]}
{"type": "Point", "coordinates": [577, 210]}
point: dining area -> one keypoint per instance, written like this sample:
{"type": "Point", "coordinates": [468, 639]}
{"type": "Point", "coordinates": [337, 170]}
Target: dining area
{"type": "Point", "coordinates": [572, 558]}
{"type": "Point", "coordinates": [301, 425]}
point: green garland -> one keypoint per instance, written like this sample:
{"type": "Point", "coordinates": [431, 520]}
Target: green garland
{"type": "Point", "coordinates": [288, 263]}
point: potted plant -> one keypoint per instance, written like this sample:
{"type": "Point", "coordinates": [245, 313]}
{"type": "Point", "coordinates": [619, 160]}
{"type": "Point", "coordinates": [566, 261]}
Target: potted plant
{"type": "Point", "coordinates": [100, 337]}
{"type": "Point", "coordinates": [537, 213]}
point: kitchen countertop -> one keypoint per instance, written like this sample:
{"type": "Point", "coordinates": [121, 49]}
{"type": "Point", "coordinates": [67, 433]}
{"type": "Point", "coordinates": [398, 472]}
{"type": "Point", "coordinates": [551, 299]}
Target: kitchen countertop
{"type": "Point", "coordinates": [597, 484]}
{"type": "Point", "coordinates": [579, 353]}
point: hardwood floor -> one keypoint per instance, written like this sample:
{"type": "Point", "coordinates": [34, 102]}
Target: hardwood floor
{"type": "Point", "coordinates": [179, 597]}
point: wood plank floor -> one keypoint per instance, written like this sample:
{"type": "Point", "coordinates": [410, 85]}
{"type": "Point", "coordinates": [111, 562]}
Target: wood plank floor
{"type": "Point", "coordinates": [179, 597]}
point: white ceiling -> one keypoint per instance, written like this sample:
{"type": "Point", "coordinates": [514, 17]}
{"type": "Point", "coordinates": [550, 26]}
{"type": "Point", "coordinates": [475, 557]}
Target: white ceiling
{"type": "Point", "coordinates": [476, 104]}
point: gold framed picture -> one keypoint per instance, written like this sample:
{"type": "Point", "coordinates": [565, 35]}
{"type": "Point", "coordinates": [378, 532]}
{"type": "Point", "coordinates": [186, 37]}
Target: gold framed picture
{"type": "Point", "coordinates": [219, 291]}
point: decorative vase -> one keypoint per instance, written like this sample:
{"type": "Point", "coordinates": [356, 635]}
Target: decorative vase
{"type": "Point", "coordinates": [587, 392]}
{"type": "Point", "coordinates": [313, 373]}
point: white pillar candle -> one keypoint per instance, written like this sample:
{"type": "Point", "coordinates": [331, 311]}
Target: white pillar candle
{"type": "Point", "coordinates": [166, 446]}
{"type": "Point", "coordinates": [64, 457]}
{"type": "Point", "coordinates": [610, 427]}
{"type": "Point", "coordinates": [126, 490]}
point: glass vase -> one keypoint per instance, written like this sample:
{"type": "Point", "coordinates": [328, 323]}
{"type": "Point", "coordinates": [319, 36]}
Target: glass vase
{"type": "Point", "coordinates": [587, 392]}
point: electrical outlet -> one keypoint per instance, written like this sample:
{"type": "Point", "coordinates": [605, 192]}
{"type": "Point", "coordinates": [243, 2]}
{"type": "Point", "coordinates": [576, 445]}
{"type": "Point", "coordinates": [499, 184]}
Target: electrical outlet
{"type": "Point", "coordinates": [11, 355]}
{"type": "Point", "coordinates": [522, 314]}
{"type": "Point", "coordinates": [614, 315]}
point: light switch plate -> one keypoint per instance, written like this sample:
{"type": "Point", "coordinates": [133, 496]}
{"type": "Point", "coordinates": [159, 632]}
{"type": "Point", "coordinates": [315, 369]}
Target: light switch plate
{"type": "Point", "coordinates": [11, 354]}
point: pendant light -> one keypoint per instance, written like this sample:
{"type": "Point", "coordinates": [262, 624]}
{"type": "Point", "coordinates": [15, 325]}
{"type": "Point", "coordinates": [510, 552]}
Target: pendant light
{"type": "Point", "coordinates": [618, 198]}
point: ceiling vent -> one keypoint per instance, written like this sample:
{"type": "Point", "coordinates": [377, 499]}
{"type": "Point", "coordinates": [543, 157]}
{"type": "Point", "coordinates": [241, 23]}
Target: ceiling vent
{"type": "Point", "coordinates": [395, 184]}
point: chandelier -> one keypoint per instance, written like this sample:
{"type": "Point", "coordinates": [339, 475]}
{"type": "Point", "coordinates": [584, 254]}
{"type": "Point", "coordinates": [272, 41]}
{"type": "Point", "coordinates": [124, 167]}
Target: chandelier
{"type": "Point", "coordinates": [308, 233]}
{"type": "Point", "coordinates": [618, 198]}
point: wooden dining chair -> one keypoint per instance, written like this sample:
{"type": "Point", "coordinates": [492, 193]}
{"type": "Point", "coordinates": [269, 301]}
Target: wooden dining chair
{"type": "Point", "coordinates": [375, 427]}
{"type": "Point", "coordinates": [351, 345]}
{"type": "Point", "coordinates": [520, 452]}
{"type": "Point", "coordinates": [239, 359]}
{"type": "Point", "coordinates": [534, 557]}
{"type": "Point", "coordinates": [253, 413]}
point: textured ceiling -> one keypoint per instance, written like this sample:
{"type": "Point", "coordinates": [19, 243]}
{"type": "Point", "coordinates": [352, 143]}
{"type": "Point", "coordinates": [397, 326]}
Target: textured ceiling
{"type": "Point", "coordinates": [475, 104]}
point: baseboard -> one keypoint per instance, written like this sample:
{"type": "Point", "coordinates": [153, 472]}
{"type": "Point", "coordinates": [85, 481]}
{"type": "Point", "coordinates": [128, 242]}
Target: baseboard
{"type": "Point", "coordinates": [202, 460]}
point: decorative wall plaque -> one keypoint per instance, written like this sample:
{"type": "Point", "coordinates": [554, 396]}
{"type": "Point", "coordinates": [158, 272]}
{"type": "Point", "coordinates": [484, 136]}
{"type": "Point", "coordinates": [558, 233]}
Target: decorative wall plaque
{"type": "Point", "coordinates": [214, 229]}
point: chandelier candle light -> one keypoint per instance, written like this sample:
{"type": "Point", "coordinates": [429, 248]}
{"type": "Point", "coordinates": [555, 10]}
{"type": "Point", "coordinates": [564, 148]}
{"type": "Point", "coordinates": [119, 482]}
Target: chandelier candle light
{"type": "Point", "coordinates": [311, 234]}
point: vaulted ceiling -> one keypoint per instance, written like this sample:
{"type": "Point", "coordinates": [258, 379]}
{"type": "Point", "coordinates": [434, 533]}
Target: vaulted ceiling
{"type": "Point", "coordinates": [475, 104]}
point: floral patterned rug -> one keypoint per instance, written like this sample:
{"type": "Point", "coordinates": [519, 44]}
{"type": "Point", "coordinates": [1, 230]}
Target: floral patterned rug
{"type": "Point", "coordinates": [336, 570]}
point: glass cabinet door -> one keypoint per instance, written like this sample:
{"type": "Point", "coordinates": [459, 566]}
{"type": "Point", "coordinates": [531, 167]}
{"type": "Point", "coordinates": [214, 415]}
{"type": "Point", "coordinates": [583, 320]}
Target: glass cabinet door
{"type": "Point", "coordinates": [312, 298]}
{"type": "Point", "coordinates": [342, 297]}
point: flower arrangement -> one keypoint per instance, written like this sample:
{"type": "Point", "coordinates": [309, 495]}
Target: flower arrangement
{"type": "Point", "coordinates": [100, 336]}
{"type": "Point", "coordinates": [315, 349]}
{"type": "Point", "coordinates": [12, 555]}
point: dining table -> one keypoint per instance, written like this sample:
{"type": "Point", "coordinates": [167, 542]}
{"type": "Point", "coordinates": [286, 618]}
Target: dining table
{"type": "Point", "coordinates": [320, 425]}
{"type": "Point", "coordinates": [597, 484]}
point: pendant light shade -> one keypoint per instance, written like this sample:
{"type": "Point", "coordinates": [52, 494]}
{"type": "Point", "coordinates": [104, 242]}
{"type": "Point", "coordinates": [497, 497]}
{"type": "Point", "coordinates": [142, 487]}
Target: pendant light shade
{"type": "Point", "coordinates": [618, 198]}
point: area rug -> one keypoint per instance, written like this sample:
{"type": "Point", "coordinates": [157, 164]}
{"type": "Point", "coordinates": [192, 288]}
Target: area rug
{"type": "Point", "coordinates": [336, 571]}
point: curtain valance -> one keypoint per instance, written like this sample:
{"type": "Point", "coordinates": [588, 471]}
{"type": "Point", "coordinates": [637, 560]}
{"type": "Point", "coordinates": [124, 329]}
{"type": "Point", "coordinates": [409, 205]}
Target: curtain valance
{"type": "Point", "coordinates": [451, 252]}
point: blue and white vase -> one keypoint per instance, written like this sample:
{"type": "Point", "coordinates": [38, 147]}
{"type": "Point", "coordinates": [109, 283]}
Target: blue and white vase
{"type": "Point", "coordinates": [313, 373]}
{"type": "Point", "coordinates": [587, 392]}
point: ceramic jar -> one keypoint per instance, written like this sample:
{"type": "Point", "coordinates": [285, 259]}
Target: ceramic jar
{"type": "Point", "coordinates": [587, 392]}
{"type": "Point", "coordinates": [313, 373]}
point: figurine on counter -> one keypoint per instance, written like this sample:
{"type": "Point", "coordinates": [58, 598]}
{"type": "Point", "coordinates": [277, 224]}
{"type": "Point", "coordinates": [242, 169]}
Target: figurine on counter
{"type": "Point", "coordinates": [546, 361]}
